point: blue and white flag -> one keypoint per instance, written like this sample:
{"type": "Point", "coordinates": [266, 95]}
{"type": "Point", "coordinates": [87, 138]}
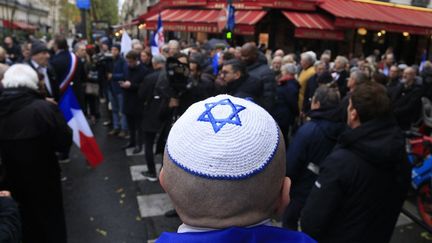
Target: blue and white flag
{"type": "Point", "coordinates": [231, 17]}
{"type": "Point", "coordinates": [126, 43]}
{"type": "Point", "coordinates": [157, 39]}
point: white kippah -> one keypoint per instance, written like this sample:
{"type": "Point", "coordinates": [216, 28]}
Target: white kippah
{"type": "Point", "coordinates": [223, 137]}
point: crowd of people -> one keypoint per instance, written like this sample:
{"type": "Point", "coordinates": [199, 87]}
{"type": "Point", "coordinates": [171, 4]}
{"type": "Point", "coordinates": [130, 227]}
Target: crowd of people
{"type": "Point", "coordinates": [340, 121]}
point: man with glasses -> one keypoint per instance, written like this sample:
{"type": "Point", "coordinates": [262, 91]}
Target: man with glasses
{"type": "Point", "coordinates": [235, 81]}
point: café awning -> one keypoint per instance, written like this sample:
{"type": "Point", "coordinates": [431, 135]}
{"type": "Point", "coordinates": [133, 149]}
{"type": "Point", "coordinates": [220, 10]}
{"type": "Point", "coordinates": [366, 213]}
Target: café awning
{"type": "Point", "coordinates": [313, 26]}
{"type": "Point", "coordinates": [204, 20]}
{"type": "Point", "coordinates": [379, 16]}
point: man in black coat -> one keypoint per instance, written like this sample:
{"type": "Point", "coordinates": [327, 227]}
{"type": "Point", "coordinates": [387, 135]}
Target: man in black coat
{"type": "Point", "coordinates": [151, 122]}
{"type": "Point", "coordinates": [250, 55]}
{"type": "Point", "coordinates": [31, 131]}
{"type": "Point", "coordinates": [39, 61]}
{"type": "Point", "coordinates": [406, 98]}
{"type": "Point", "coordinates": [310, 146]}
{"type": "Point", "coordinates": [65, 64]}
{"type": "Point", "coordinates": [362, 184]}
{"type": "Point", "coordinates": [13, 49]}
{"type": "Point", "coordinates": [237, 82]}
{"type": "Point", "coordinates": [132, 105]}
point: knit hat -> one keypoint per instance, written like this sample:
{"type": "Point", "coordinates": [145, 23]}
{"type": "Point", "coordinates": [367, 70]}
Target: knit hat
{"type": "Point", "coordinates": [38, 47]}
{"type": "Point", "coordinates": [223, 137]}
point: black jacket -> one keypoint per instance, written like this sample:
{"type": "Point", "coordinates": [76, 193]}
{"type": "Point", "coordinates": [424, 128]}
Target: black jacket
{"type": "Point", "coordinates": [132, 105]}
{"type": "Point", "coordinates": [246, 87]}
{"type": "Point", "coordinates": [152, 102]}
{"type": "Point", "coordinates": [61, 63]}
{"type": "Point", "coordinates": [286, 107]}
{"type": "Point", "coordinates": [361, 186]}
{"type": "Point", "coordinates": [311, 144]}
{"type": "Point", "coordinates": [265, 75]}
{"type": "Point", "coordinates": [407, 104]}
{"type": "Point", "coordinates": [342, 82]}
{"type": "Point", "coordinates": [31, 131]}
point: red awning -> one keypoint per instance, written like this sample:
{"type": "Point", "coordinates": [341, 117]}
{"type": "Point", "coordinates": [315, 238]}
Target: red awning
{"type": "Point", "coordinates": [356, 14]}
{"type": "Point", "coordinates": [313, 26]}
{"type": "Point", "coordinates": [126, 25]}
{"type": "Point", "coordinates": [184, 20]}
{"type": "Point", "coordinates": [18, 25]}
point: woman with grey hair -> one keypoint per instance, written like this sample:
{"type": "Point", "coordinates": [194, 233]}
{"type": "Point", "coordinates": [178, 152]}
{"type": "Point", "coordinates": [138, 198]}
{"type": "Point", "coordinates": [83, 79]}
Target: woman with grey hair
{"type": "Point", "coordinates": [31, 131]}
{"type": "Point", "coordinates": [286, 105]}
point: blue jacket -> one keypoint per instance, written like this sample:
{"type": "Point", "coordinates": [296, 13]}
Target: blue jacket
{"type": "Point", "coordinates": [119, 73]}
{"type": "Point", "coordinates": [311, 144]}
{"type": "Point", "coordinates": [256, 234]}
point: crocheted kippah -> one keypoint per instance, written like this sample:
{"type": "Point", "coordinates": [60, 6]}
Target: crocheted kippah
{"type": "Point", "coordinates": [223, 137]}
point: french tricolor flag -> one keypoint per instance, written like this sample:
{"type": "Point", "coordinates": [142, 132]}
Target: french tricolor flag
{"type": "Point", "coordinates": [82, 135]}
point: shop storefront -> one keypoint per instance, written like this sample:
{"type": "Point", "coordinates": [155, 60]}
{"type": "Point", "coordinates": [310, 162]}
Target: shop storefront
{"type": "Point", "coordinates": [348, 27]}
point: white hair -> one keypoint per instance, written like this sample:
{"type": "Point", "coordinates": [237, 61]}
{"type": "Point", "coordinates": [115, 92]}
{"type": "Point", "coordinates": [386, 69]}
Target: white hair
{"type": "Point", "coordinates": [310, 56]}
{"type": "Point", "coordinates": [20, 75]}
{"type": "Point", "coordinates": [289, 68]}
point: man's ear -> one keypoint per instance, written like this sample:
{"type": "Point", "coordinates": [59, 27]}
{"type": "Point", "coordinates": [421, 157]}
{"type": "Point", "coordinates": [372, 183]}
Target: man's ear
{"type": "Point", "coordinates": [237, 75]}
{"type": "Point", "coordinates": [284, 197]}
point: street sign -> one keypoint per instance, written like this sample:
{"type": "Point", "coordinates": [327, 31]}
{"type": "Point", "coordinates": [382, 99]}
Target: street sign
{"type": "Point", "coordinates": [83, 4]}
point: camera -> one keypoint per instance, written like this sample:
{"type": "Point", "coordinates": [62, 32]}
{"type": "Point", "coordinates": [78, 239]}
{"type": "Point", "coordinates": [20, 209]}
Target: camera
{"type": "Point", "coordinates": [178, 74]}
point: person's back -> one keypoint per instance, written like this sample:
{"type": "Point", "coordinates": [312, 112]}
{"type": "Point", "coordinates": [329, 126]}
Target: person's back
{"type": "Point", "coordinates": [31, 131]}
{"type": "Point", "coordinates": [310, 146]}
{"type": "Point", "coordinates": [363, 182]}
{"type": "Point", "coordinates": [224, 172]}
{"type": "Point", "coordinates": [261, 71]}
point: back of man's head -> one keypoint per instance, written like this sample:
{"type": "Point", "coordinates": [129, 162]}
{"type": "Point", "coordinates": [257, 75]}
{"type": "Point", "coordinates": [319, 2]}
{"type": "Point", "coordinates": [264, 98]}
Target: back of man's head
{"type": "Point", "coordinates": [61, 43]}
{"type": "Point", "coordinates": [371, 101]}
{"type": "Point", "coordinates": [224, 164]}
{"type": "Point", "coordinates": [327, 97]}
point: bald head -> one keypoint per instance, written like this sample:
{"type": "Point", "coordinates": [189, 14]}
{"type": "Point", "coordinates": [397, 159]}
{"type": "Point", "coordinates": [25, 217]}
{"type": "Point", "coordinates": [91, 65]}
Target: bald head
{"type": "Point", "coordinates": [224, 164]}
{"type": "Point", "coordinates": [249, 53]}
{"type": "Point", "coordinates": [210, 203]}
{"type": "Point", "coordinates": [409, 75]}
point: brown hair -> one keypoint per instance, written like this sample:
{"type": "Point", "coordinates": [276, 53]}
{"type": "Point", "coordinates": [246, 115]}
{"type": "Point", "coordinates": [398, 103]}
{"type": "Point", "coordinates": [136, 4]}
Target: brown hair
{"type": "Point", "coordinates": [371, 101]}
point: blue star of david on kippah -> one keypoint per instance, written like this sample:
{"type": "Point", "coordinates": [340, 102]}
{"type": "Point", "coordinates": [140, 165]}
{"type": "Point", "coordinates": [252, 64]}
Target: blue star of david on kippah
{"type": "Point", "coordinates": [217, 124]}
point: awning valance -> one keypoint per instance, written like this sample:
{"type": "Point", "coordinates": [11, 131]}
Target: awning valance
{"type": "Point", "coordinates": [185, 20]}
{"type": "Point", "coordinates": [356, 14]}
{"type": "Point", "coordinates": [313, 26]}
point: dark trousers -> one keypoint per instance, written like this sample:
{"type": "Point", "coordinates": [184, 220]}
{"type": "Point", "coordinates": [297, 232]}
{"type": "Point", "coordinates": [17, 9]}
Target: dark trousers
{"type": "Point", "coordinates": [91, 105]}
{"type": "Point", "coordinates": [135, 129]}
{"type": "Point", "coordinates": [292, 214]}
{"type": "Point", "coordinates": [149, 139]}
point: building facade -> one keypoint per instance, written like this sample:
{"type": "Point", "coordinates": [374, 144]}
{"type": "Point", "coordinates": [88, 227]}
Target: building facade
{"type": "Point", "coordinates": [30, 16]}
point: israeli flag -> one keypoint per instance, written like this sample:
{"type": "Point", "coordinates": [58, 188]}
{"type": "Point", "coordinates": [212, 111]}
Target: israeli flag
{"type": "Point", "coordinates": [157, 39]}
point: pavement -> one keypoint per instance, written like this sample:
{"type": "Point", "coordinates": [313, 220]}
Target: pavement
{"type": "Point", "coordinates": [113, 203]}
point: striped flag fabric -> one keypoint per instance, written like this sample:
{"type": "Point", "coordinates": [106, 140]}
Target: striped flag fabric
{"type": "Point", "coordinates": [157, 39]}
{"type": "Point", "coordinates": [82, 135]}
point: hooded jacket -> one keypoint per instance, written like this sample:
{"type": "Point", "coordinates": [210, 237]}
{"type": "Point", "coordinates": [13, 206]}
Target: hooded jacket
{"type": "Point", "coordinates": [310, 146]}
{"type": "Point", "coordinates": [361, 187]}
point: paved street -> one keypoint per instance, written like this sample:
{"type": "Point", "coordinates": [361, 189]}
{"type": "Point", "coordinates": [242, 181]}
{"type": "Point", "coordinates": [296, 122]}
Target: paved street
{"type": "Point", "coordinates": [114, 204]}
